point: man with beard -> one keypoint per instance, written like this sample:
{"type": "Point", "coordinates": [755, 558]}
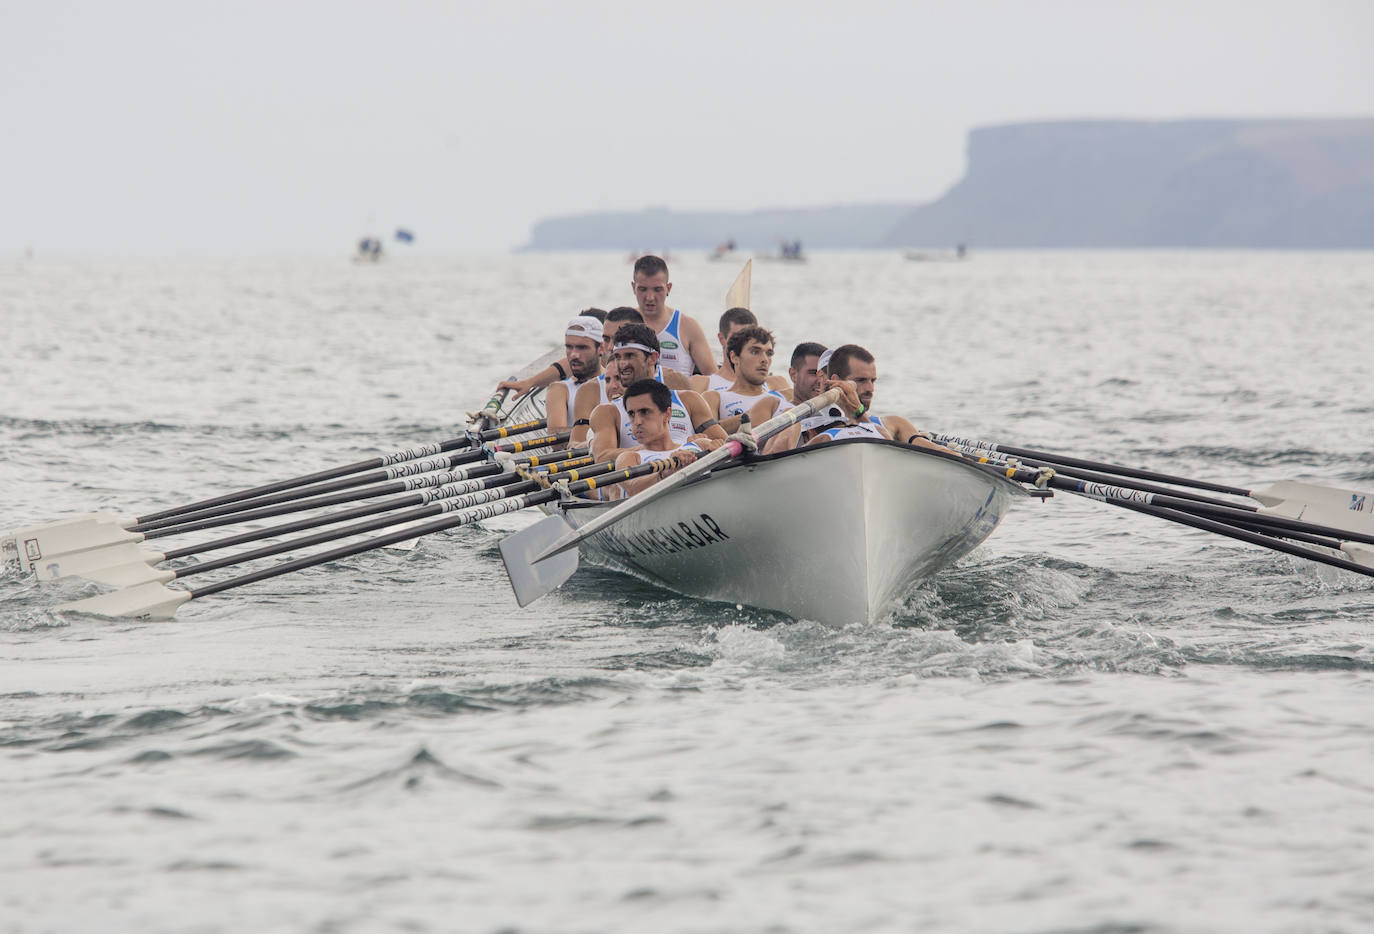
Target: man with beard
{"type": "Point", "coordinates": [582, 350]}
{"type": "Point", "coordinates": [806, 383]}
{"type": "Point", "coordinates": [636, 358]}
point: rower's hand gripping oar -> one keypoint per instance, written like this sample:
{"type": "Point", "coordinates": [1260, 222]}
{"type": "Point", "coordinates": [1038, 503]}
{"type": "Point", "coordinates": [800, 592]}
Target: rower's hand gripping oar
{"type": "Point", "coordinates": [540, 558]}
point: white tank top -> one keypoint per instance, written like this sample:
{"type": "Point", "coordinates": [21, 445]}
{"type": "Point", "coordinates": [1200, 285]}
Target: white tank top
{"type": "Point", "coordinates": [679, 422]}
{"type": "Point", "coordinates": [717, 383]}
{"type": "Point", "coordinates": [648, 457]}
{"type": "Point", "coordinates": [861, 430]}
{"type": "Point", "coordinates": [671, 353]}
{"type": "Point", "coordinates": [736, 403]}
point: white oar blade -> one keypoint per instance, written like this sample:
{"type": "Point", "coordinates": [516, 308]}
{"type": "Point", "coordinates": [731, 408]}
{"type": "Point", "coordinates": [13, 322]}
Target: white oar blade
{"type": "Point", "coordinates": [1360, 554]}
{"type": "Point", "coordinates": [146, 601]}
{"type": "Point", "coordinates": [532, 579]}
{"type": "Point", "coordinates": [30, 548]}
{"type": "Point", "coordinates": [1320, 505]}
{"type": "Point", "coordinates": [82, 563]}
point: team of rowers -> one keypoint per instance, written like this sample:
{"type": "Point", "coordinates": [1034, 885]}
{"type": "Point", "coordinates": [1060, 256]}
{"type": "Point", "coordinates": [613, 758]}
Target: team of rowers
{"type": "Point", "coordinates": [641, 384]}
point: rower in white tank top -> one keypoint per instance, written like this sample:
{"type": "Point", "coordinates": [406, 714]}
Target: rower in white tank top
{"type": "Point", "coordinates": [671, 353]}
{"type": "Point", "coordinates": [647, 457]}
{"type": "Point", "coordinates": [737, 403]}
{"type": "Point", "coordinates": [679, 424]}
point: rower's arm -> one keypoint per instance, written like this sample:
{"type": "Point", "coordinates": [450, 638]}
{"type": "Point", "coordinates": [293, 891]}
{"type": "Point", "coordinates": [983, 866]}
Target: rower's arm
{"type": "Point", "coordinates": [763, 410]}
{"type": "Point", "coordinates": [784, 440]}
{"type": "Point", "coordinates": [675, 380]}
{"type": "Point", "coordinates": [700, 414]}
{"type": "Point", "coordinates": [550, 374]}
{"type": "Point", "coordinates": [605, 432]}
{"type": "Point", "coordinates": [556, 407]}
{"type": "Point", "coordinates": [588, 398]}
{"type": "Point", "coordinates": [900, 428]}
{"type": "Point", "coordinates": [698, 346]}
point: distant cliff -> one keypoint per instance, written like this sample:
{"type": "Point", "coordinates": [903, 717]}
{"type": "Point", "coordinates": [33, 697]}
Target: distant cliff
{"type": "Point", "coordinates": [1084, 183]}
{"type": "Point", "coordinates": [1185, 183]}
{"type": "Point", "coordinates": [660, 228]}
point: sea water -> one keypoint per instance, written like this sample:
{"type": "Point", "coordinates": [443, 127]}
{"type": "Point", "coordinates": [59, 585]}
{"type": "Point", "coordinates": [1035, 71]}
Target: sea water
{"type": "Point", "coordinates": [1098, 721]}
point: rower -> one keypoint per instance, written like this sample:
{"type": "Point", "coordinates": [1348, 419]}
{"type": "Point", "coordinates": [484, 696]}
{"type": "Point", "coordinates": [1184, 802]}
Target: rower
{"type": "Point", "coordinates": [636, 358]}
{"type": "Point", "coordinates": [803, 371]}
{"type": "Point", "coordinates": [750, 355]}
{"type": "Point", "coordinates": [558, 370]}
{"type": "Point", "coordinates": [614, 319]}
{"type": "Point", "coordinates": [854, 363]}
{"type": "Point", "coordinates": [845, 419]}
{"type": "Point", "coordinates": [582, 349]}
{"type": "Point", "coordinates": [607, 387]}
{"type": "Point", "coordinates": [682, 341]}
{"type": "Point", "coordinates": [648, 405]}
{"type": "Point", "coordinates": [724, 377]}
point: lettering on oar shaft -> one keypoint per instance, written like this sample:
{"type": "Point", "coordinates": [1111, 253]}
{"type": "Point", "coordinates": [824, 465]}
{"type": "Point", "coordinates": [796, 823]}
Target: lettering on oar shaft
{"type": "Point", "coordinates": [663, 539]}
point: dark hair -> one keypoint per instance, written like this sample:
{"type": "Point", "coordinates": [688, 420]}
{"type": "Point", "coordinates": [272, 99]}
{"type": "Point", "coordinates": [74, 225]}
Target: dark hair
{"type": "Point", "coordinates": [650, 266]}
{"type": "Point", "coordinates": [596, 313]}
{"type": "Point", "coordinates": [637, 334]}
{"type": "Point", "coordinates": [804, 350]}
{"type": "Point", "coordinates": [624, 313]}
{"type": "Point", "coordinates": [736, 316]}
{"type": "Point", "coordinates": [838, 368]}
{"type": "Point", "coordinates": [735, 347]}
{"type": "Point", "coordinates": [656, 391]}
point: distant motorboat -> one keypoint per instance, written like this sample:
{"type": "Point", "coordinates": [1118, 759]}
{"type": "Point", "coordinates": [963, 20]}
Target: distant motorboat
{"type": "Point", "coordinates": [926, 256]}
{"type": "Point", "coordinates": [789, 252]}
{"type": "Point", "coordinates": [369, 250]}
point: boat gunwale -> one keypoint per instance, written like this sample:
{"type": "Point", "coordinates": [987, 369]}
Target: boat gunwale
{"type": "Point", "coordinates": [754, 459]}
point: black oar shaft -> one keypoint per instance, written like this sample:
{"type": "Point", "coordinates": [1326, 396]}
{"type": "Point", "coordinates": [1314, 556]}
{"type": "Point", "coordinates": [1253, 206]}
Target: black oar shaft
{"type": "Point", "coordinates": [1060, 459]}
{"type": "Point", "coordinates": [500, 507]}
{"type": "Point", "coordinates": [371, 463]}
{"type": "Point", "coordinates": [312, 522]}
{"type": "Point", "coordinates": [1244, 535]}
{"type": "Point", "coordinates": [409, 515]}
{"type": "Point", "coordinates": [302, 505]}
{"type": "Point", "coordinates": [394, 473]}
{"type": "Point", "coordinates": [1221, 511]}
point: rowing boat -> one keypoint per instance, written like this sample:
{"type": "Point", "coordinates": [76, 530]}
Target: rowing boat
{"type": "Point", "coordinates": [838, 532]}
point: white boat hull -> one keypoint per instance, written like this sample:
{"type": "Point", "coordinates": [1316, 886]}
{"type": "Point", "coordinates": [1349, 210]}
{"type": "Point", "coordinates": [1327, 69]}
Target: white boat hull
{"type": "Point", "coordinates": [837, 533]}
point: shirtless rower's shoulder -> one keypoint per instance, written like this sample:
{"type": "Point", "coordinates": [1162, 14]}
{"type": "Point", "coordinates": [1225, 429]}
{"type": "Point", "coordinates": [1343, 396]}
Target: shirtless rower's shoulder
{"type": "Point", "coordinates": [683, 342]}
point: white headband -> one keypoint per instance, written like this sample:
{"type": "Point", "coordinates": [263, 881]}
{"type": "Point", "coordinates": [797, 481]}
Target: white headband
{"type": "Point", "coordinates": [584, 326]}
{"type": "Point", "coordinates": [628, 345]}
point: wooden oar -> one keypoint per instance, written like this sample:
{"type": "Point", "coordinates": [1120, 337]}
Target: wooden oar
{"type": "Point", "coordinates": [527, 553]}
{"type": "Point", "coordinates": [251, 508]}
{"type": "Point", "coordinates": [1221, 518]}
{"type": "Point", "coordinates": [24, 548]}
{"type": "Point", "coordinates": [155, 600]}
{"type": "Point", "coordinates": [118, 563]}
{"type": "Point", "coordinates": [68, 538]}
{"type": "Point", "coordinates": [1344, 509]}
{"type": "Point", "coordinates": [438, 502]}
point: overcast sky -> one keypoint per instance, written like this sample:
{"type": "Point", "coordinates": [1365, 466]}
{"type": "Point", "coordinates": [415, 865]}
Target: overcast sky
{"type": "Point", "coordinates": [296, 126]}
